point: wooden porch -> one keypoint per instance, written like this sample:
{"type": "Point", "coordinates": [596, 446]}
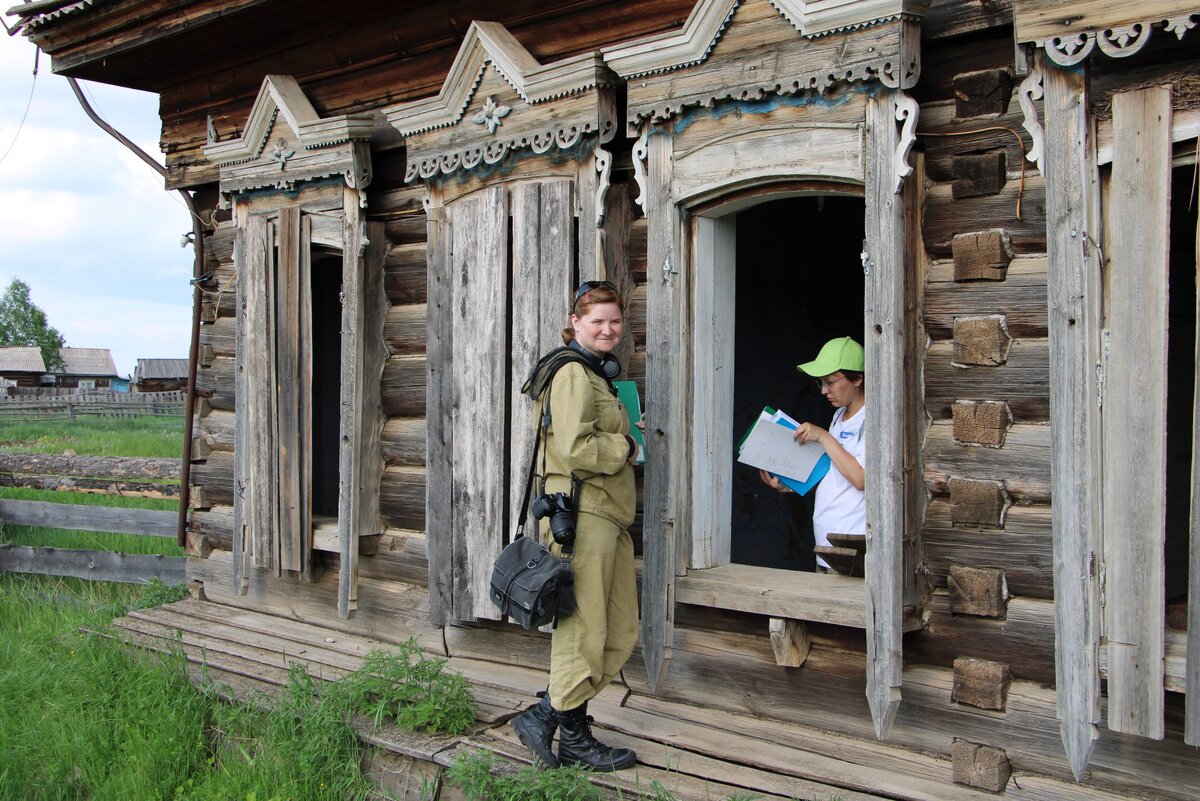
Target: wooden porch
{"type": "Point", "coordinates": [694, 752]}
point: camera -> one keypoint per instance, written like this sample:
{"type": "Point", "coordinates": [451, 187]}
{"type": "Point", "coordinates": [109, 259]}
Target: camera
{"type": "Point", "coordinates": [562, 515]}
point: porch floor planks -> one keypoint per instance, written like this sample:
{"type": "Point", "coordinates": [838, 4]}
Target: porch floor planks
{"type": "Point", "coordinates": [680, 745]}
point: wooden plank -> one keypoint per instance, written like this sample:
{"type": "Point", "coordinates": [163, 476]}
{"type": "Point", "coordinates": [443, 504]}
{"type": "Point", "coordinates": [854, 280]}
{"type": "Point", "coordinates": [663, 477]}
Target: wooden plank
{"type": "Point", "coordinates": [350, 453]}
{"type": "Point", "coordinates": [290, 442]}
{"type": "Point", "coordinates": [480, 268]}
{"type": "Point", "coordinates": [302, 540]}
{"type": "Point", "coordinates": [89, 518]}
{"type": "Point", "coordinates": [884, 342]}
{"type": "Point", "coordinates": [526, 337]}
{"type": "Point", "coordinates": [666, 438]}
{"type": "Point", "coordinates": [1134, 444]}
{"type": "Point", "coordinates": [1073, 320]}
{"type": "Point", "coordinates": [714, 246]}
{"type": "Point", "coordinates": [439, 516]}
{"type": "Point", "coordinates": [93, 565]}
{"type": "Point", "coordinates": [1192, 728]}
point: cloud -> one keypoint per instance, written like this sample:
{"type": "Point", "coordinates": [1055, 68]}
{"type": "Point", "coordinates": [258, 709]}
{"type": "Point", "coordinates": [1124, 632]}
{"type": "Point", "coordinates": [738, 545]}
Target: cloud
{"type": "Point", "coordinates": [86, 223]}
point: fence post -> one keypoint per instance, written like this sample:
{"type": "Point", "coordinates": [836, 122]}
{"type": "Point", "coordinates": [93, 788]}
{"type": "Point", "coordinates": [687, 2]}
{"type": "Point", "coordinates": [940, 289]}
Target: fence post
{"type": "Point", "coordinates": [70, 411]}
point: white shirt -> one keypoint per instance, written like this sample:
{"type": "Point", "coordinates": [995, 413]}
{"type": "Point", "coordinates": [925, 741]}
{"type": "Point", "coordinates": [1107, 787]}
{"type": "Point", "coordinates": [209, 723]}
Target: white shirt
{"type": "Point", "coordinates": [840, 508]}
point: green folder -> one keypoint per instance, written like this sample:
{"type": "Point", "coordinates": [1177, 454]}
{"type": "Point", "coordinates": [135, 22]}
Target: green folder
{"type": "Point", "coordinates": [627, 393]}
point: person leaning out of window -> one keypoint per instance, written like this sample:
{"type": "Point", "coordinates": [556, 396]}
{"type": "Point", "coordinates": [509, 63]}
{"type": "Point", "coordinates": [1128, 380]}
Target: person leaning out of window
{"type": "Point", "coordinates": [840, 506]}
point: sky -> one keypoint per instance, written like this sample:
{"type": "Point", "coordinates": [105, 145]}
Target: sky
{"type": "Point", "coordinates": [85, 223]}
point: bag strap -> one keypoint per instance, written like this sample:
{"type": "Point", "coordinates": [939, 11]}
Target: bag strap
{"type": "Point", "coordinates": [537, 443]}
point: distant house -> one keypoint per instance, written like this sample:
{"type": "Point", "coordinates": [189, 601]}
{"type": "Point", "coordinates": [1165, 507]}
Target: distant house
{"type": "Point", "coordinates": [22, 365]}
{"type": "Point", "coordinates": [86, 368]}
{"type": "Point", "coordinates": [160, 375]}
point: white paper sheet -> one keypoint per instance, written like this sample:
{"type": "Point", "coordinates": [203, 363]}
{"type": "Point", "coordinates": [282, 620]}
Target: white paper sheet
{"type": "Point", "coordinates": [770, 446]}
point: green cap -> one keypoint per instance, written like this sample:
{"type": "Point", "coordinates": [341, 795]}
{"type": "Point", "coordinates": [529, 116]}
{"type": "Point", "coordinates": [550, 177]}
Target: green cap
{"type": "Point", "coordinates": [842, 353]}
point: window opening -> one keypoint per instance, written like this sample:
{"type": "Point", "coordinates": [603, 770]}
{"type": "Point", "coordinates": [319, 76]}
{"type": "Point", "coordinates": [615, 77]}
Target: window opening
{"type": "Point", "coordinates": [1181, 373]}
{"type": "Point", "coordinates": [799, 283]}
{"type": "Point", "coordinates": [326, 341]}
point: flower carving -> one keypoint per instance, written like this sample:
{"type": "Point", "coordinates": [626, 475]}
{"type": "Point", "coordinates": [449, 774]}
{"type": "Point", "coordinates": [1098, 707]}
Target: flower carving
{"type": "Point", "coordinates": [491, 114]}
{"type": "Point", "coordinates": [281, 154]}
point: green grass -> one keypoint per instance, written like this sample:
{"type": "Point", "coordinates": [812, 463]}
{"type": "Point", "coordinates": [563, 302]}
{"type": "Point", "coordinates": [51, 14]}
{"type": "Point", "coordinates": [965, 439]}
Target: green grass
{"type": "Point", "coordinates": [96, 436]}
{"type": "Point", "coordinates": [37, 536]}
{"type": "Point", "coordinates": [83, 717]}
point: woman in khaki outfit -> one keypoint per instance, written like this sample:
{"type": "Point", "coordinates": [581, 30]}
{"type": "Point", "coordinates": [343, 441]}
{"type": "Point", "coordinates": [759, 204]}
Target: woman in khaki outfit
{"type": "Point", "coordinates": [588, 441]}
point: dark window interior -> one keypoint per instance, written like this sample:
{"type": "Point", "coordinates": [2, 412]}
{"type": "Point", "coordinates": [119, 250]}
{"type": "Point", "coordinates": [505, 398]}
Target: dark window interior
{"type": "Point", "coordinates": [799, 284]}
{"type": "Point", "coordinates": [1181, 377]}
{"type": "Point", "coordinates": [326, 379]}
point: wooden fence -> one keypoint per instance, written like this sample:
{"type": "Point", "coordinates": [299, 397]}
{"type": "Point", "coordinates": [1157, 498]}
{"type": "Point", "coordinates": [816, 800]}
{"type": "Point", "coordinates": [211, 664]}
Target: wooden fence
{"type": "Point", "coordinates": [107, 404]}
{"type": "Point", "coordinates": [86, 564]}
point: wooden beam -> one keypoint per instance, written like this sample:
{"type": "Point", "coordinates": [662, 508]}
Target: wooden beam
{"type": "Point", "coordinates": [1135, 409]}
{"type": "Point", "coordinates": [1192, 726]}
{"type": "Point", "coordinates": [93, 565]}
{"type": "Point", "coordinates": [789, 641]}
{"type": "Point", "coordinates": [1073, 299]}
{"type": "Point", "coordinates": [290, 442]}
{"type": "Point", "coordinates": [88, 518]}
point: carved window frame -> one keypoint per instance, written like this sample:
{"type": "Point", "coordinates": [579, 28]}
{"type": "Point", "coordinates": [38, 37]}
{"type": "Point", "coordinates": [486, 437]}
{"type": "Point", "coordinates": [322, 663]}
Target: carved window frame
{"type": "Point", "coordinates": [296, 179]}
{"type": "Point", "coordinates": [884, 54]}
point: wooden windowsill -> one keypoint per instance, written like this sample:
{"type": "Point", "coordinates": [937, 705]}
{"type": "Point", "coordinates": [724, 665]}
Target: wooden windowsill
{"type": "Point", "coordinates": [793, 594]}
{"type": "Point", "coordinates": [1174, 661]}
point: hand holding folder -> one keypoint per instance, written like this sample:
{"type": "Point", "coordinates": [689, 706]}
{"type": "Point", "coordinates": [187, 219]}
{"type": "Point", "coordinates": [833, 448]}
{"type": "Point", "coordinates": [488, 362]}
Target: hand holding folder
{"type": "Point", "coordinates": [769, 446]}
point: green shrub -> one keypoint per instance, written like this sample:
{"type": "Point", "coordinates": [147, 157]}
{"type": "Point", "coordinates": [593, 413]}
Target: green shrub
{"type": "Point", "coordinates": [411, 688]}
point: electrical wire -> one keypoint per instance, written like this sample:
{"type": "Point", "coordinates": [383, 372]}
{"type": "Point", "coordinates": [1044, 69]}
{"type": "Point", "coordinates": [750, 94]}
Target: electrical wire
{"type": "Point", "coordinates": [28, 105]}
{"type": "Point", "coordinates": [1020, 144]}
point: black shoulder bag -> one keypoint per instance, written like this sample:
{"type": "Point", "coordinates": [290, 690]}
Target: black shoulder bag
{"type": "Point", "coordinates": [529, 584]}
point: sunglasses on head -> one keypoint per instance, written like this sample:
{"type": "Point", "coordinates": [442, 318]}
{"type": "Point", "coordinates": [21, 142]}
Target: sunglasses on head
{"type": "Point", "coordinates": [588, 286]}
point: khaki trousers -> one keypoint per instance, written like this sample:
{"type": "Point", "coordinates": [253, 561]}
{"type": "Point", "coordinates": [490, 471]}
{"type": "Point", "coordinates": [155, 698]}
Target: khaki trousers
{"type": "Point", "coordinates": [591, 646]}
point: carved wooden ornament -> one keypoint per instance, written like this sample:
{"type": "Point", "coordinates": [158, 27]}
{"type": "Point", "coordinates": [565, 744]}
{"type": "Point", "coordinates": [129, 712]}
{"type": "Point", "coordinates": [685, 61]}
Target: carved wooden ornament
{"type": "Point", "coordinates": [1069, 30]}
{"type": "Point", "coordinates": [497, 98]}
{"type": "Point", "coordinates": [285, 142]}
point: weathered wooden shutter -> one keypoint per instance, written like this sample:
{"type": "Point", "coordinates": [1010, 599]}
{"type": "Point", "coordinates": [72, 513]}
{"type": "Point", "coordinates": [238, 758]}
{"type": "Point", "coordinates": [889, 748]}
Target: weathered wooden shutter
{"type": "Point", "coordinates": [272, 522]}
{"type": "Point", "coordinates": [1073, 298]}
{"type": "Point", "coordinates": [1134, 410]}
{"type": "Point", "coordinates": [667, 443]}
{"type": "Point", "coordinates": [884, 343]}
{"type": "Point", "coordinates": [477, 304]}
{"type": "Point", "coordinates": [542, 257]}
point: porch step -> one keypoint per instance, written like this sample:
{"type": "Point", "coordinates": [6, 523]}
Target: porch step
{"type": "Point", "coordinates": [694, 752]}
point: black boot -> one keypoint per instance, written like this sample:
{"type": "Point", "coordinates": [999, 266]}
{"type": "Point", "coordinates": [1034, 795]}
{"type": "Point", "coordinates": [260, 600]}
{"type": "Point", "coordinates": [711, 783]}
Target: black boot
{"type": "Point", "coordinates": [535, 726]}
{"type": "Point", "coordinates": [577, 746]}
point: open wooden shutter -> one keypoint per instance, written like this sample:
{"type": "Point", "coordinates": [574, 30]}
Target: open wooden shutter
{"type": "Point", "coordinates": [542, 258]}
{"type": "Point", "coordinates": [1134, 410]}
{"type": "Point", "coordinates": [479, 357]}
{"type": "Point", "coordinates": [272, 522]}
{"type": "Point", "coordinates": [1073, 304]}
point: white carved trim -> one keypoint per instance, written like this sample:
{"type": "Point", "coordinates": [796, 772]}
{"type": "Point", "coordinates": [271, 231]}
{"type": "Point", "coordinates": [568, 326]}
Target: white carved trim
{"type": "Point", "coordinates": [820, 17]}
{"type": "Point", "coordinates": [604, 167]}
{"type": "Point", "coordinates": [281, 95]}
{"type": "Point", "coordinates": [1116, 42]}
{"type": "Point", "coordinates": [640, 150]}
{"type": "Point", "coordinates": [1180, 25]}
{"type": "Point", "coordinates": [429, 165]}
{"type": "Point", "coordinates": [905, 73]}
{"type": "Point", "coordinates": [1029, 91]}
{"type": "Point", "coordinates": [490, 42]}
{"type": "Point", "coordinates": [709, 18]}
{"type": "Point", "coordinates": [907, 112]}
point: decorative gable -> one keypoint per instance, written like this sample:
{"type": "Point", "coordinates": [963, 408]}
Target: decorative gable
{"type": "Point", "coordinates": [749, 49]}
{"type": "Point", "coordinates": [497, 98]}
{"type": "Point", "coordinates": [285, 141]}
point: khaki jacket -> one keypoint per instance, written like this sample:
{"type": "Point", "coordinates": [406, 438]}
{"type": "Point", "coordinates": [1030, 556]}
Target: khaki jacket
{"type": "Point", "coordinates": [587, 437]}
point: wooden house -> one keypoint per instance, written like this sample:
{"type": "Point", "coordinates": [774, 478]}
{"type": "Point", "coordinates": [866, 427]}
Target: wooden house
{"type": "Point", "coordinates": [996, 197]}
{"type": "Point", "coordinates": [86, 369]}
{"type": "Point", "coordinates": [160, 375]}
{"type": "Point", "coordinates": [22, 365]}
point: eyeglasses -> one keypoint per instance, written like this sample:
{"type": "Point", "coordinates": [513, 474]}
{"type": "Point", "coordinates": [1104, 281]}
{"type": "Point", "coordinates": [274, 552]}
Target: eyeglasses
{"type": "Point", "coordinates": [823, 385]}
{"type": "Point", "coordinates": [588, 286]}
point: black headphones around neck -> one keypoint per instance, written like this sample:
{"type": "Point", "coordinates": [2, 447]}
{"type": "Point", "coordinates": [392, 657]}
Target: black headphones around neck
{"type": "Point", "coordinates": [609, 367]}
